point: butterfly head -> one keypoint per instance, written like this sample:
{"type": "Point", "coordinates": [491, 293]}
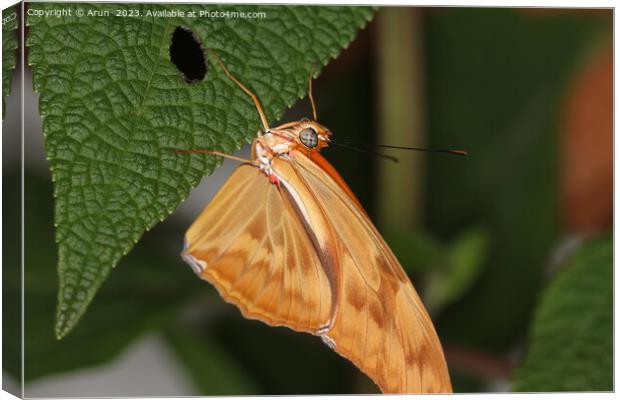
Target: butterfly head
{"type": "Point", "coordinates": [310, 134]}
{"type": "Point", "coordinates": [304, 135]}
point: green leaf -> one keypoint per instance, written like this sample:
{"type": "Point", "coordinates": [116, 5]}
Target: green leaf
{"type": "Point", "coordinates": [215, 372]}
{"type": "Point", "coordinates": [465, 259]}
{"type": "Point", "coordinates": [9, 50]}
{"type": "Point", "coordinates": [143, 296]}
{"type": "Point", "coordinates": [114, 108]}
{"type": "Point", "coordinates": [571, 338]}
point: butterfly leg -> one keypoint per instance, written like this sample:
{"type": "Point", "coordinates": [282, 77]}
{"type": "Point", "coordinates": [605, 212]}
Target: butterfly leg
{"type": "Point", "coordinates": [247, 91]}
{"type": "Point", "coordinates": [214, 153]}
{"type": "Point", "coordinates": [310, 96]}
{"type": "Point", "coordinates": [263, 159]}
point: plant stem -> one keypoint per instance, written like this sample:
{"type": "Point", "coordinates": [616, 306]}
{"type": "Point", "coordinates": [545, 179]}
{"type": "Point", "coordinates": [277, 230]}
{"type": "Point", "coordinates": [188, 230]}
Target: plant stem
{"type": "Point", "coordinates": [401, 111]}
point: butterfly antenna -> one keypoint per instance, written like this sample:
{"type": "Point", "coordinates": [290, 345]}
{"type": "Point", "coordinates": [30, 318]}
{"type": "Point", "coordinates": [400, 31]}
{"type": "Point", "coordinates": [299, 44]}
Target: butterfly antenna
{"type": "Point", "coordinates": [365, 151]}
{"type": "Point", "coordinates": [247, 91]}
{"type": "Point", "coordinates": [387, 146]}
{"type": "Point", "coordinates": [310, 96]}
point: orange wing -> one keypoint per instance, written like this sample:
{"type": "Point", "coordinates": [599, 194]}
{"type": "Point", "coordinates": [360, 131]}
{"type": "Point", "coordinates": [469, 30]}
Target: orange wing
{"type": "Point", "coordinates": [251, 245]}
{"type": "Point", "coordinates": [306, 256]}
{"type": "Point", "coordinates": [379, 322]}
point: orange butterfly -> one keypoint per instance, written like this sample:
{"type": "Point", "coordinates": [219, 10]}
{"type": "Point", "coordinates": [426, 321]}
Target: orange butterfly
{"type": "Point", "coordinates": [287, 242]}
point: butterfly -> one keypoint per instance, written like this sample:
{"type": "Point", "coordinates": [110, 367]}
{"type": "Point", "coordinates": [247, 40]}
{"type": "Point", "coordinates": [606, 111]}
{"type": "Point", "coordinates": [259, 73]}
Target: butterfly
{"type": "Point", "coordinates": [287, 242]}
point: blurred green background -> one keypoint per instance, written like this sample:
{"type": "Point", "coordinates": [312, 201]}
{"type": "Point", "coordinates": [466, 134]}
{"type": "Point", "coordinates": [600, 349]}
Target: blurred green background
{"type": "Point", "coordinates": [505, 246]}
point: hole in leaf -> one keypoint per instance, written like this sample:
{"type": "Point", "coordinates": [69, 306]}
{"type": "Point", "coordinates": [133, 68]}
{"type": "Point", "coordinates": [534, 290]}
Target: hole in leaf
{"type": "Point", "coordinates": [187, 53]}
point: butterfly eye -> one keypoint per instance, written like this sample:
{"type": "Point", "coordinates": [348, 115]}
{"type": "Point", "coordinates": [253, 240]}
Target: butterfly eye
{"type": "Point", "coordinates": [309, 138]}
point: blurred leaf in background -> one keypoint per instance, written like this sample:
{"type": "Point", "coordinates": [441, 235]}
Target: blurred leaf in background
{"type": "Point", "coordinates": [450, 269]}
{"type": "Point", "coordinates": [417, 250]}
{"type": "Point", "coordinates": [570, 344]}
{"type": "Point", "coordinates": [465, 257]}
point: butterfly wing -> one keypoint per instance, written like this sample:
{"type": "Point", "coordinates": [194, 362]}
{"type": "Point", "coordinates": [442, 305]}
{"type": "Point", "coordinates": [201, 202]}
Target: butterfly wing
{"type": "Point", "coordinates": [379, 322]}
{"type": "Point", "coordinates": [251, 245]}
{"type": "Point", "coordinates": [305, 255]}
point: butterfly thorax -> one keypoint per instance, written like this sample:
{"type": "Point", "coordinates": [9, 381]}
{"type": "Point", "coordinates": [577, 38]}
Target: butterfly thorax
{"type": "Point", "coordinates": [305, 136]}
